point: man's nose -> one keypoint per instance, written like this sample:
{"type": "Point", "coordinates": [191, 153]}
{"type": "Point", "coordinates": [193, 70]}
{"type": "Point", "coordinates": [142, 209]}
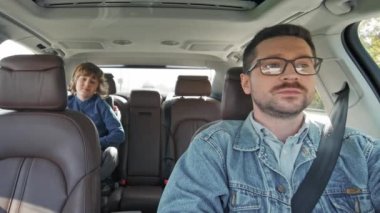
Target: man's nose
{"type": "Point", "coordinates": [290, 72]}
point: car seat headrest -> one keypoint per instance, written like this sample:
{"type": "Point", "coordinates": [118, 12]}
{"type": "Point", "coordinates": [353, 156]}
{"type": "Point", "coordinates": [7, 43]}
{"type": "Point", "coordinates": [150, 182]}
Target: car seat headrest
{"type": "Point", "coordinates": [145, 98]}
{"type": "Point", "coordinates": [235, 103]}
{"type": "Point", "coordinates": [192, 86]}
{"type": "Point", "coordinates": [111, 83]}
{"type": "Point", "coordinates": [32, 82]}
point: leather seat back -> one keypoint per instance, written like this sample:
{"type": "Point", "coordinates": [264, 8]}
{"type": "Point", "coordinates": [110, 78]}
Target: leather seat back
{"type": "Point", "coordinates": [141, 164]}
{"type": "Point", "coordinates": [120, 106]}
{"type": "Point", "coordinates": [189, 109]}
{"type": "Point", "coordinates": [144, 138]}
{"type": "Point", "coordinates": [111, 88]}
{"type": "Point", "coordinates": [235, 103]}
{"type": "Point", "coordinates": [49, 156]}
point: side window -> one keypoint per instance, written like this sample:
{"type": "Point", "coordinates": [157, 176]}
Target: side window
{"type": "Point", "coordinates": [316, 110]}
{"type": "Point", "coordinates": [369, 35]}
{"type": "Point", "coordinates": [10, 47]}
{"type": "Point", "coordinates": [317, 103]}
{"type": "Point", "coordinates": [362, 39]}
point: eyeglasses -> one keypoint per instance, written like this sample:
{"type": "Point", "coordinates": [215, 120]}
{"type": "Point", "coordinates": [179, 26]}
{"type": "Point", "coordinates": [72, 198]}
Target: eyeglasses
{"type": "Point", "coordinates": [276, 66]}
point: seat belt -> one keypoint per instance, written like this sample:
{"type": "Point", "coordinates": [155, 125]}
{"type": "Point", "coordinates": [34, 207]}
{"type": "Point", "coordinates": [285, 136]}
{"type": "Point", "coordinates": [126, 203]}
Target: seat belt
{"type": "Point", "coordinates": [168, 158]}
{"type": "Point", "coordinates": [316, 179]}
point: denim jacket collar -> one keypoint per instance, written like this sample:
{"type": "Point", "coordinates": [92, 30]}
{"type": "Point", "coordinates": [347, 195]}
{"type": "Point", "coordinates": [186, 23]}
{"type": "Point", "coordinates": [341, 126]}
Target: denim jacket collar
{"type": "Point", "coordinates": [248, 139]}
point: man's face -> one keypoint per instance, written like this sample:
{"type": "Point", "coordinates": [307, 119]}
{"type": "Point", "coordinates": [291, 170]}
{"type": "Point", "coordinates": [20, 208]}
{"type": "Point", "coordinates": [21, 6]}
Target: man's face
{"type": "Point", "coordinates": [285, 95]}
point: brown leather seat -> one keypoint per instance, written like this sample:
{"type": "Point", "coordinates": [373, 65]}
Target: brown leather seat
{"type": "Point", "coordinates": [111, 88]}
{"type": "Point", "coordinates": [235, 103]}
{"type": "Point", "coordinates": [49, 156]}
{"type": "Point", "coordinates": [116, 100]}
{"type": "Point", "coordinates": [189, 109]}
{"type": "Point", "coordinates": [142, 163]}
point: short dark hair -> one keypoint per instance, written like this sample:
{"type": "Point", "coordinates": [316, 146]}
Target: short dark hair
{"type": "Point", "coordinates": [275, 31]}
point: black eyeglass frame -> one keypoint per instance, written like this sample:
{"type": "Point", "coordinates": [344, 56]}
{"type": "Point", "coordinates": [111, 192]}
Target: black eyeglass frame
{"type": "Point", "coordinates": [317, 65]}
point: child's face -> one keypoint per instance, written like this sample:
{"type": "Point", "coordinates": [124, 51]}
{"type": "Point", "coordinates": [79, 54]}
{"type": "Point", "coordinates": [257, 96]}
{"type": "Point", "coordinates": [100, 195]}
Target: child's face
{"type": "Point", "coordinates": [86, 86]}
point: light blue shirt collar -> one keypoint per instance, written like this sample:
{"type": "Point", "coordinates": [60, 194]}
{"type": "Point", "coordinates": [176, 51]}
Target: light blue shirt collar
{"type": "Point", "coordinates": [309, 129]}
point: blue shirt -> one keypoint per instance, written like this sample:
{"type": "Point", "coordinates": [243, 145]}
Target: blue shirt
{"type": "Point", "coordinates": [110, 130]}
{"type": "Point", "coordinates": [230, 167]}
{"type": "Point", "coordinates": [285, 153]}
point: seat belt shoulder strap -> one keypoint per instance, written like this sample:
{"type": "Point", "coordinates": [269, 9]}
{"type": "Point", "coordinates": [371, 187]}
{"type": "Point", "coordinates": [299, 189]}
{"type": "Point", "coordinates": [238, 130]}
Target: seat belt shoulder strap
{"type": "Point", "coordinates": [316, 179]}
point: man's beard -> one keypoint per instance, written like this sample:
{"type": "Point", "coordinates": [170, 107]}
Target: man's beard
{"type": "Point", "coordinates": [273, 109]}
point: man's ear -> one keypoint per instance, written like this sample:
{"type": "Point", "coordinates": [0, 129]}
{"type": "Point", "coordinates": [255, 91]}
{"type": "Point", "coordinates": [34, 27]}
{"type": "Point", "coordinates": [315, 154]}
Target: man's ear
{"type": "Point", "coordinates": [245, 83]}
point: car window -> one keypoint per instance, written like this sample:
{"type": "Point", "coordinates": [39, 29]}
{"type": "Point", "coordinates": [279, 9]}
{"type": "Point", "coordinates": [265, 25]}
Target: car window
{"type": "Point", "coordinates": [316, 109]}
{"type": "Point", "coordinates": [362, 39]}
{"type": "Point", "coordinates": [160, 78]}
{"type": "Point", "coordinates": [10, 47]}
{"type": "Point", "coordinates": [369, 35]}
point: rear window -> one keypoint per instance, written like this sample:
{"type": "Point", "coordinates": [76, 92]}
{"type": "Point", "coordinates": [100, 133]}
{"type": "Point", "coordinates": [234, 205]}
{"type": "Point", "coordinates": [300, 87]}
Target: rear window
{"type": "Point", "coordinates": [161, 78]}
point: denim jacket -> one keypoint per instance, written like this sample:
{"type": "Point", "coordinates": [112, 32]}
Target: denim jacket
{"type": "Point", "coordinates": [228, 168]}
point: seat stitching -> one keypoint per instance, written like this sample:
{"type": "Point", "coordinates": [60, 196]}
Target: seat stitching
{"type": "Point", "coordinates": [25, 182]}
{"type": "Point", "coordinates": [15, 185]}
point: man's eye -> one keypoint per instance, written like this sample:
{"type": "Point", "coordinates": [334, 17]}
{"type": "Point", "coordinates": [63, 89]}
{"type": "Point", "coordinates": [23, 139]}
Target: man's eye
{"type": "Point", "coordinates": [271, 68]}
{"type": "Point", "coordinates": [303, 66]}
{"type": "Point", "coordinates": [304, 63]}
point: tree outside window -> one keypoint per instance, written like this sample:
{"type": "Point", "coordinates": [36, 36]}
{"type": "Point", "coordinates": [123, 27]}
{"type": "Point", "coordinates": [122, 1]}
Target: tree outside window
{"type": "Point", "coordinates": [369, 35]}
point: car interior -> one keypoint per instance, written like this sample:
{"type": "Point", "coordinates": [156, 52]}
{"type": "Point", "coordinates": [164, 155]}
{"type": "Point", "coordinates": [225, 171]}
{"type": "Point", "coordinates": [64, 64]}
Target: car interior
{"type": "Point", "coordinates": [50, 156]}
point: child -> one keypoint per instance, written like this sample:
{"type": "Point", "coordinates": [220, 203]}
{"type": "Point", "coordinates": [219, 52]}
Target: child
{"type": "Point", "coordinates": [88, 87]}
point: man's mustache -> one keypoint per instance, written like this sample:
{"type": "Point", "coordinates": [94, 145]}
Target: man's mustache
{"type": "Point", "coordinates": [289, 85]}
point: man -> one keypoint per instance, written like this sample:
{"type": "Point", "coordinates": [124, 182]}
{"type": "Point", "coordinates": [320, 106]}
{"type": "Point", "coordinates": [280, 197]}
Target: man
{"type": "Point", "coordinates": [256, 165]}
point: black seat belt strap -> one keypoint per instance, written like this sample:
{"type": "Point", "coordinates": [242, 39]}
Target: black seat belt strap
{"type": "Point", "coordinates": [168, 158]}
{"type": "Point", "coordinates": [316, 179]}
